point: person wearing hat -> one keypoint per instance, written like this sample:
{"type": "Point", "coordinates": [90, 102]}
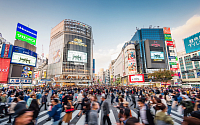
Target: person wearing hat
{"type": "Point", "coordinates": [105, 111]}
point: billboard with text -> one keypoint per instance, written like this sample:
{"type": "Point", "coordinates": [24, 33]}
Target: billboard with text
{"type": "Point", "coordinates": [4, 69]}
{"type": "Point", "coordinates": [192, 43]}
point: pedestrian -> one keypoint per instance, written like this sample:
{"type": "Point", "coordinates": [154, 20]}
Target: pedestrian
{"type": "Point", "coordinates": [35, 108]}
{"type": "Point", "coordinates": [21, 104]}
{"type": "Point", "coordinates": [144, 112]}
{"type": "Point", "coordinates": [168, 99]}
{"type": "Point", "coordinates": [93, 116]}
{"type": "Point", "coordinates": [186, 105]}
{"type": "Point", "coordinates": [105, 111]}
{"type": "Point", "coordinates": [38, 97]}
{"type": "Point", "coordinates": [161, 118]}
{"type": "Point", "coordinates": [112, 98]}
{"type": "Point", "coordinates": [26, 97]}
{"type": "Point", "coordinates": [11, 109]}
{"type": "Point", "coordinates": [56, 111]}
{"type": "Point", "coordinates": [24, 117]}
{"type": "Point", "coordinates": [44, 101]}
{"type": "Point", "coordinates": [69, 108]}
{"type": "Point", "coordinates": [133, 100]}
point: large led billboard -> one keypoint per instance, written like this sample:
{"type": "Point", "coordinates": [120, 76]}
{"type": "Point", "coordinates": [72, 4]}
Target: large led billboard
{"type": "Point", "coordinates": [23, 56]}
{"type": "Point", "coordinates": [155, 54]}
{"type": "Point", "coordinates": [77, 56]}
{"type": "Point", "coordinates": [4, 69]}
{"type": "Point", "coordinates": [25, 33]}
{"type": "Point", "coordinates": [192, 43]}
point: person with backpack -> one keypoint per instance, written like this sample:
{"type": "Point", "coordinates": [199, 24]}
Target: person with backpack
{"type": "Point", "coordinates": [69, 108]}
{"type": "Point", "coordinates": [186, 105]}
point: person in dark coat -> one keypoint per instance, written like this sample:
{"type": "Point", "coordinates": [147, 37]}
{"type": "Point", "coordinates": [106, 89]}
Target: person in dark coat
{"type": "Point", "coordinates": [35, 108]}
{"type": "Point", "coordinates": [133, 100]}
{"type": "Point", "coordinates": [105, 110]}
{"type": "Point", "coordinates": [44, 101]}
{"type": "Point", "coordinates": [21, 104]}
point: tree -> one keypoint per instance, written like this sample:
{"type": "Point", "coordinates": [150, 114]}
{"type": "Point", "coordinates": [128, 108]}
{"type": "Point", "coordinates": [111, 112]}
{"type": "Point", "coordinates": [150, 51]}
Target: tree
{"type": "Point", "coordinates": [162, 75]}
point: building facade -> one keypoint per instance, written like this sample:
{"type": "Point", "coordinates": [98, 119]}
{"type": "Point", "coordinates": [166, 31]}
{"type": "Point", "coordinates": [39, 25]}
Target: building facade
{"type": "Point", "coordinates": [71, 53]}
{"type": "Point", "coordinates": [189, 61]}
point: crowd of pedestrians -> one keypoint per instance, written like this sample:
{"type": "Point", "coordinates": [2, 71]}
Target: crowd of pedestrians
{"type": "Point", "coordinates": [153, 104]}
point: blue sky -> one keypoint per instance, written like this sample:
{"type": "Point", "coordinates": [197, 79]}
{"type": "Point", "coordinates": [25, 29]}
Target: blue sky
{"type": "Point", "coordinates": [113, 21]}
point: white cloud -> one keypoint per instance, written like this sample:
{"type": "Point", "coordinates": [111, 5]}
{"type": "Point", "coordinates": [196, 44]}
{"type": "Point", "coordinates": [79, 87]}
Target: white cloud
{"type": "Point", "coordinates": [192, 26]}
{"type": "Point", "coordinates": [103, 57]}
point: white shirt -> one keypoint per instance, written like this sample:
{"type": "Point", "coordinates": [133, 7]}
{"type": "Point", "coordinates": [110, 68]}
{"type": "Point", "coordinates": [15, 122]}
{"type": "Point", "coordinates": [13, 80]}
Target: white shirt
{"type": "Point", "coordinates": [143, 115]}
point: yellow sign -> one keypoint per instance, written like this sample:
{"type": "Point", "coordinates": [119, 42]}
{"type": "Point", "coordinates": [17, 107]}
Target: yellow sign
{"type": "Point", "coordinates": [78, 42]}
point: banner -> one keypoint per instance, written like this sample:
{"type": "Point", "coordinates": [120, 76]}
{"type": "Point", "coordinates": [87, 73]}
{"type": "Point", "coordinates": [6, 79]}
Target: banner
{"type": "Point", "coordinates": [4, 69]}
{"type": "Point", "coordinates": [132, 67]}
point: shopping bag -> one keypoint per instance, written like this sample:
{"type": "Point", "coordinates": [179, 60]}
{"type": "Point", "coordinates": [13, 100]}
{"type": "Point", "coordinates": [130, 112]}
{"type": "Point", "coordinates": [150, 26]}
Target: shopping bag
{"type": "Point", "coordinates": [180, 110]}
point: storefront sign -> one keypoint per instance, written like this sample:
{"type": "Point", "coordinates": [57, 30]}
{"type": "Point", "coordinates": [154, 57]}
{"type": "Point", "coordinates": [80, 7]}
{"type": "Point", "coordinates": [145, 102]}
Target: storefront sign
{"type": "Point", "coordinates": [78, 42]}
{"type": "Point", "coordinates": [20, 81]}
{"type": "Point", "coordinates": [166, 30]}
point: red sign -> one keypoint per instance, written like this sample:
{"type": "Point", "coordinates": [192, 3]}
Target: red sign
{"type": "Point", "coordinates": [173, 69]}
{"type": "Point", "coordinates": [7, 46]}
{"type": "Point", "coordinates": [4, 69]}
{"type": "Point", "coordinates": [166, 30]}
{"type": "Point", "coordinates": [136, 78]}
{"type": "Point", "coordinates": [169, 43]}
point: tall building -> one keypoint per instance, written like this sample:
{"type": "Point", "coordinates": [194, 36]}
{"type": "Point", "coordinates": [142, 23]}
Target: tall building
{"type": "Point", "coordinates": [149, 50]}
{"type": "Point", "coordinates": [189, 61]}
{"type": "Point", "coordinates": [71, 53]}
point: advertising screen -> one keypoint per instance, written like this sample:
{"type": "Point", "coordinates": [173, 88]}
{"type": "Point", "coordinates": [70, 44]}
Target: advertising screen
{"type": "Point", "coordinates": [23, 56]}
{"type": "Point", "coordinates": [131, 62]}
{"type": "Point", "coordinates": [136, 78]}
{"type": "Point", "coordinates": [77, 56]}
{"type": "Point", "coordinates": [157, 56]}
{"type": "Point", "coordinates": [27, 72]}
{"type": "Point", "coordinates": [166, 30]}
{"type": "Point", "coordinates": [27, 34]}
{"type": "Point", "coordinates": [192, 43]}
{"type": "Point", "coordinates": [4, 69]}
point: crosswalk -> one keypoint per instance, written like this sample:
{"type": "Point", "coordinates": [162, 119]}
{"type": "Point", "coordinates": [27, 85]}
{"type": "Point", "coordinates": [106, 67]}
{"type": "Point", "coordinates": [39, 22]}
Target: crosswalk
{"type": "Point", "coordinates": [75, 121]}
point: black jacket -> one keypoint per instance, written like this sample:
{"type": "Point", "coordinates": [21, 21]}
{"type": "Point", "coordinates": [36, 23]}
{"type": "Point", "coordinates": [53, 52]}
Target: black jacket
{"type": "Point", "coordinates": [149, 116]}
{"type": "Point", "coordinates": [20, 106]}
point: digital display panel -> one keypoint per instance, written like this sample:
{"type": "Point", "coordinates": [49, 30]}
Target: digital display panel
{"type": "Point", "coordinates": [23, 56]}
{"type": "Point", "coordinates": [77, 56]}
{"type": "Point", "coordinates": [27, 72]}
{"type": "Point", "coordinates": [157, 56]}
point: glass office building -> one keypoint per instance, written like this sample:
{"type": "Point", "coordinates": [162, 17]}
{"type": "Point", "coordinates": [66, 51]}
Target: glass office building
{"type": "Point", "coordinates": [71, 53]}
{"type": "Point", "coordinates": [139, 39]}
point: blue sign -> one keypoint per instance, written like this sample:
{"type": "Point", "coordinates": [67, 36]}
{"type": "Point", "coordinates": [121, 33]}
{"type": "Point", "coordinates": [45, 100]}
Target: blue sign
{"type": "Point", "coordinates": [26, 30]}
{"type": "Point", "coordinates": [23, 56]}
{"type": "Point", "coordinates": [192, 43]}
{"type": "Point", "coordinates": [198, 73]}
{"type": "Point", "coordinates": [171, 57]}
{"type": "Point", "coordinates": [93, 65]}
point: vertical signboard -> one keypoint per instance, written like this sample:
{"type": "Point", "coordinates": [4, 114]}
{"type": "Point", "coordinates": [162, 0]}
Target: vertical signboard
{"type": "Point", "coordinates": [4, 69]}
{"type": "Point", "coordinates": [173, 64]}
{"type": "Point", "coordinates": [1, 44]}
{"type": "Point", "coordinates": [93, 65]}
{"type": "Point", "coordinates": [132, 68]}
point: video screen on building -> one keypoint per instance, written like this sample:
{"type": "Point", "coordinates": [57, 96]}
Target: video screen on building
{"type": "Point", "coordinates": [157, 55]}
{"type": "Point", "coordinates": [77, 56]}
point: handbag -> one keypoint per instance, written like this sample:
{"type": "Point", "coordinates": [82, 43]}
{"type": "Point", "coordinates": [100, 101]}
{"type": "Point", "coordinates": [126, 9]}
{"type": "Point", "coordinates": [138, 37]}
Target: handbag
{"type": "Point", "coordinates": [71, 108]}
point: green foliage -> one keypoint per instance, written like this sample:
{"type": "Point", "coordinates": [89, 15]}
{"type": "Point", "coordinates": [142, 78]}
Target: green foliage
{"type": "Point", "coordinates": [163, 75]}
